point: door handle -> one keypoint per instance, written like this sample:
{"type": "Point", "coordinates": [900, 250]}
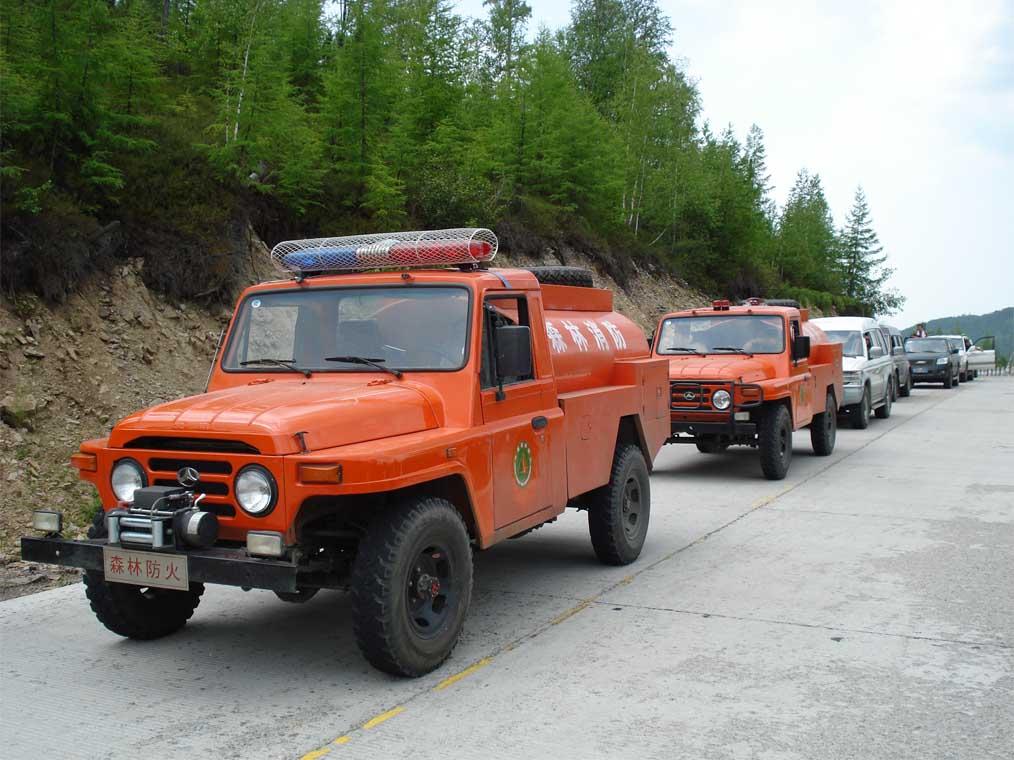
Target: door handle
{"type": "Point", "coordinates": [538, 423]}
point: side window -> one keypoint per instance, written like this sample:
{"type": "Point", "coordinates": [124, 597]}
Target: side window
{"type": "Point", "coordinates": [795, 329]}
{"type": "Point", "coordinates": [498, 311]}
{"type": "Point", "coordinates": [868, 340]}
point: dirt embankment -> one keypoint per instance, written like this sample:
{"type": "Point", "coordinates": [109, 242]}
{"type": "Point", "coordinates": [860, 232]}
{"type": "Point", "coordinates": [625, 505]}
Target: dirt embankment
{"type": "Point", "coordinates": [69, 372]}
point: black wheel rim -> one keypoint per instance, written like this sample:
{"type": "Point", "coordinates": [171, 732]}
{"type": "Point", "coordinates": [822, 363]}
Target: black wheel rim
{"type": "Point", "coordinates": [631, 510]}
{"type": "Point", "coordinates": [430, 596]}
{"type": "Point", "coordinates": [784, 437]}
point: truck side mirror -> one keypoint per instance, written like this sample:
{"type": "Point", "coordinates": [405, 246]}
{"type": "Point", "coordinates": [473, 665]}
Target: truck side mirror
{"type": "Point", "coordinates": [800, 347]}
{"type": "Point", "coordinates": [513, 351]}
{"type": "Point", "coordinates": [876, 352]}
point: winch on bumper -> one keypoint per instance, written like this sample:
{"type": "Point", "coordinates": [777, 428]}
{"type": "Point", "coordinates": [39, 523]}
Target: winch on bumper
{"type": "Point", "coordinates": [712, 407]}
{"type": "Point", "coordinates": [163, 539]}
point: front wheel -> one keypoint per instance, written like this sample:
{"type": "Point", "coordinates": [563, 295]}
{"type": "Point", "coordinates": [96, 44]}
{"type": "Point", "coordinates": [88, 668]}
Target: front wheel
{"type": "Point", "coordinates": [860, 413]}
{"type": "Point", "coordinates": [137, 612]}
{"type": "Point", "coordinates": [824, 428]}
{"type": "Point", "coordinates": [775, 442]}
{"type": "Point", "coordinates": [711, 444]}
{"type": "Point", "coordinates": [949, 381]}
{"type": "Point", "coordinates": [618, 512]}
{"type": "Point", "coordinates": [411, 586]}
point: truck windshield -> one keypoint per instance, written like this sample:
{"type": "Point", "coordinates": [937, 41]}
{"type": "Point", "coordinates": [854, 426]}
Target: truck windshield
{"type": "Point", "coordinates": [926, 346]}
{"type": "Point", "coordinates": [729, 333]}
{"type": "Point", "coordinates": [851, 341]}
{"type": "Point", "coordinates": [401, 328]}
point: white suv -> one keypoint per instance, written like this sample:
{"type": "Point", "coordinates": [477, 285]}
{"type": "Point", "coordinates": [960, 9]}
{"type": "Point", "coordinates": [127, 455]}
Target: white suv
{"type": "Point", "coordinates": [867, 365]}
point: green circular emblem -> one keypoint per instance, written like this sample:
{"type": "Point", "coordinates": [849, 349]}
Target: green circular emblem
{"type": "Point", "coordinates": [523, 464]}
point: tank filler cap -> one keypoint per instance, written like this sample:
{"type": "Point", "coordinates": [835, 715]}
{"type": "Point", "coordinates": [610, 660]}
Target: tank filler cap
{"type": "Point", "coordinates": [388, 250]}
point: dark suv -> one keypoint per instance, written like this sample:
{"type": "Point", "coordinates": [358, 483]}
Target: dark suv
{"type": "Point", "coordinates": [933, 360]}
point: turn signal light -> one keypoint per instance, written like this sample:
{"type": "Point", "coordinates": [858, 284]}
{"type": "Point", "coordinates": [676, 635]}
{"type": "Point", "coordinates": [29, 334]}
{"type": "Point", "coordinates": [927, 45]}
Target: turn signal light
{"type": "Point", "coordinates": [84, 462]}
{"type": "Point", "coordinates": [320, 473]}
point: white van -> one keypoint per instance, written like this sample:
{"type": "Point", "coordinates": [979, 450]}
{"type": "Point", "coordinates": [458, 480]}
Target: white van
{"type": "Point", "coordinates": [867, 365]}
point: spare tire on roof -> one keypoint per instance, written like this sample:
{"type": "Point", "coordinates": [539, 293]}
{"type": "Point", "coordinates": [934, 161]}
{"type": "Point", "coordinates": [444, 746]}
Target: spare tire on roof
{"type": "Point", "coordinates": [577, 277]}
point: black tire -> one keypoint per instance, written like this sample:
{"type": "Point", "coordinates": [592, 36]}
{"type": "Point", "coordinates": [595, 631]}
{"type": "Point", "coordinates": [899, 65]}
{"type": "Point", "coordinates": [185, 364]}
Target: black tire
{"type": "Point", "coordinates": [711, 445]}
{"type": "Point", "coordinates": [971, 375]}
{"type": "Point", "coordinates": [859, 414]}
{"type": "Point", "coordinates": [961, 377]}
{"type": "Point", "coordinates": [775, 442]}
{"type": "Point", "coordinates": [906, 390]}
{"type": "Point", "coordinates": [619, 511]}
{"type": "Point", "coordinates": [824, 428]}
{"type": "Point", "coordinates": [949, 381]}
{"type": "Point", "coordinates": [300, 596]}
{"type": "Point", "coordinates": [577, 277]}
{"type": "Point", "coordinates": [894, 387]}
{"type": "Point", "coordinates": [883, 412]}
{"type": "Point", "coordinates": [411, 586]}
{"type": "Point", "coordinates": [133, 611]}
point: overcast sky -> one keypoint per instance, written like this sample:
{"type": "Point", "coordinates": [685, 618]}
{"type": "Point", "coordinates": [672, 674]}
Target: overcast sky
{"type": "Point", "coordinates": [912, 100]}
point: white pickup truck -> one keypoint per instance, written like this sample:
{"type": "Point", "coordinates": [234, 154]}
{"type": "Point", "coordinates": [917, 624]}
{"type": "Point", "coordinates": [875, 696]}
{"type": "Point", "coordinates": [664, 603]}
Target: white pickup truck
{"type": "Point", "coordinates": [980, 358]}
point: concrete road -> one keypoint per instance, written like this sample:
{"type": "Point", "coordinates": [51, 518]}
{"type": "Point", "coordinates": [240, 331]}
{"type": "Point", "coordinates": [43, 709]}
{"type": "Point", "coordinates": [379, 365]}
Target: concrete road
{"type": "Point", "coordinates": [862, 608]}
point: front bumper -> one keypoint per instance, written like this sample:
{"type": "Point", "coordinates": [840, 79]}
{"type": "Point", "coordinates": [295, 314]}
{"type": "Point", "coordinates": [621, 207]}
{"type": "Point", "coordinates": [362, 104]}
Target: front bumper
{"type": "Point", "coordinates": [228, 567]}
{"type": "Point", "coordinates": [853, 394]}
{"type": "Point", "coordinates": [691, 412]}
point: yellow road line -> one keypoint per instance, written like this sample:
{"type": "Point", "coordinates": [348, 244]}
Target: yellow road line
{"type": "Point", "coordinates": [342, 740]}
{"type": "Point", "coordinates": [315, 754]}
{"type": "Point", "coordinates": [571, 612]}
{"type": "Point", "coordinates": [463, 674]}
{"type": "Point", "coordinates": [374, 722]}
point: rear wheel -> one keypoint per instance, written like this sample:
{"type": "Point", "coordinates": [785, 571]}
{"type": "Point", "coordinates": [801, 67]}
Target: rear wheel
{"type": "Point", "coordinates": [894, 387]}
{"type": "Point", "coordinates": [906, 389]}
{"type": "Point", "coordinates": [883, 412]}
{"type": "Point", "coordinates": [411, 586]}
{"type": "Point", "coordinates": [775, 442]}
{"type": "Point", "coordinates": [859, 414]}
{"type": "Point", "coordinates": [619, 511]}
{"type": "Point", "coordinates": [972, 374]}
{"type": "Point", "coordinates": [824, 428]}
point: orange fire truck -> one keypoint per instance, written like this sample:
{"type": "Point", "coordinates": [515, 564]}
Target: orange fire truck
{"type": "Point", "coordinates": [750, 375]}
{"type": "Point", "coordinates": [367, 423]}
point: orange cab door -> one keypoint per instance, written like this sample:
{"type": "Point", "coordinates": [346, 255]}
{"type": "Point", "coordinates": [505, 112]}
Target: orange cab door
{"type": "Point", "coordinates": [516, 423]}
{"type": "Point", "coordinates": [804, 391]}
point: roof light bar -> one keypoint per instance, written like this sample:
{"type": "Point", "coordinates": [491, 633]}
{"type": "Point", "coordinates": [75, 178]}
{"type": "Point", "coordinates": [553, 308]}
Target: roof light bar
{"type": "Point", "coordinates": [389, 250]}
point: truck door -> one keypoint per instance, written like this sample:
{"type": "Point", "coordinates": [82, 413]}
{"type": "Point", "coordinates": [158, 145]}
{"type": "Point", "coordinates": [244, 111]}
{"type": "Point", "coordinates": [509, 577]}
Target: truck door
{"type": "Point", "coordinates": [805, 401]}
{"type": "Point", "coordinates": [514, 417]}
{"type": "Point", "coordinates": [881, 367]}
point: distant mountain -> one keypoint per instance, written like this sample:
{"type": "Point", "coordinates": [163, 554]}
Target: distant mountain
{"type": "Point", "coordinates": [999, 323]}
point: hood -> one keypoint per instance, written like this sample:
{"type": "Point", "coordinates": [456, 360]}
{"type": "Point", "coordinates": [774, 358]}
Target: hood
{"type": "Point", "coordinates": [745, 369]}
{"type": "Point", "coordinates": [268, 415]}
{"type": "Point", "coordinates": [853, 363]}
{"type": "Point", "coordinates": [923, 356]}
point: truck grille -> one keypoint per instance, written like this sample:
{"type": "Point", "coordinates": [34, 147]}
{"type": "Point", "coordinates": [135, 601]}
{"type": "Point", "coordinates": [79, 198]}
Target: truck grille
{"type": "Point", "coordinates": [687, 396]}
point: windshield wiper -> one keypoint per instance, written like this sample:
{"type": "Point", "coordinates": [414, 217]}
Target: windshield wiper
{"type": "Point", "coordinates": [287, 363]}
{"type": "Point", "coordinates": [682, 348]}
{"type": "Point", "coordinates": [737, 349]}
{"type": "Point", "coordinates": [374, 362]}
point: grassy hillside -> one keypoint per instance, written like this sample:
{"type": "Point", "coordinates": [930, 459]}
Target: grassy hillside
{"type": "Point", "coordinates": [999, 323]}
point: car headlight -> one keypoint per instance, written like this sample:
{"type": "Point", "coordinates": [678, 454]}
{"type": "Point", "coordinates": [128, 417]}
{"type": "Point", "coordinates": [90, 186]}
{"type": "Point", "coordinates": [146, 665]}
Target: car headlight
{"type": "Point", "coordinates": [721, 400]}
{"type": "Point", "coordinates": [127, 476]}
{"type": "Point", "coordinates": [255, 490]}
{"type": "Point", "coordinates": [943, 360]}
{"type": "Point", "coordinates": [850, 378]}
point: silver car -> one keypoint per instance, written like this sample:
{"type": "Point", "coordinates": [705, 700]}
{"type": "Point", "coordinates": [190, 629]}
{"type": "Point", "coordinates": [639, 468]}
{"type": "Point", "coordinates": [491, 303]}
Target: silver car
{"type": "Point", "coordinates": [867, 366]}
{"type": "Point", "coordinates": [902, 366]}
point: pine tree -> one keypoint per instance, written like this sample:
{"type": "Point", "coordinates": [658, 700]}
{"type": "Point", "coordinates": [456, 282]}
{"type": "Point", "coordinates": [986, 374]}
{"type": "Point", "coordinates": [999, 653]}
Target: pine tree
{"type": "Point", "coordinates": [862, 262]}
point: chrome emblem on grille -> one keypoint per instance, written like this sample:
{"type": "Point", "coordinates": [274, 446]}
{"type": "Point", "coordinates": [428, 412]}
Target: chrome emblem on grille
{"type": "Point", "coordinates": [188, 477]}
{"type": "Point", "coordinates": [689, 395]}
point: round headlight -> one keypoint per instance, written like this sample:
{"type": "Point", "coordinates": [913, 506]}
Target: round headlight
{"type": "Point", "coordinates": [127, 477]}
{"type": "Point", "coordinates": [255, 490]}
{"type": "Point", "coordinates": [721, 400]}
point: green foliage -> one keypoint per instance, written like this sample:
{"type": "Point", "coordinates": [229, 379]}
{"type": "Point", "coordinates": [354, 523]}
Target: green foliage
{"type": "Point", "coordinates": [176, 118]}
